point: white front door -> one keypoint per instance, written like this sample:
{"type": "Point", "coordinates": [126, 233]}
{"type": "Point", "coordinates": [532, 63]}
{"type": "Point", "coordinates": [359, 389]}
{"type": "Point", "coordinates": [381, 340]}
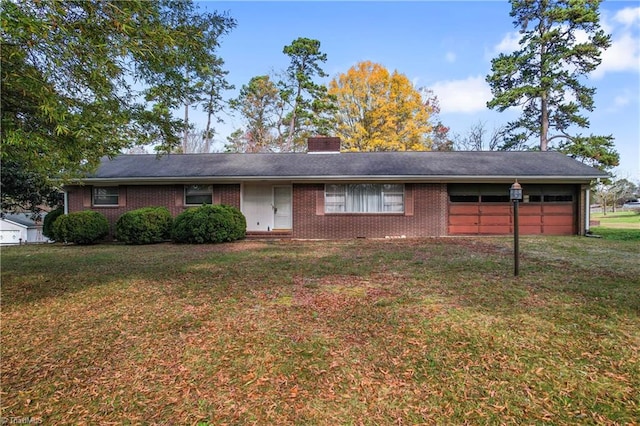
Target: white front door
{"type": "Point", "coordinates": [266, 206]}
{"type": "Point", "coordinates": [281, 207]}
{"type": "Point", "coordinates": [256, 207]}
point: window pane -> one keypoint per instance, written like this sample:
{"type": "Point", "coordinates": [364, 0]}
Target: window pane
{"type": "Point", "coordinates": [394, 203]}
{"type": "Point", "coordinates": [364, 198]}
{"type": "Point", "coordinates": [464, 198]}
{"type": "Point", "coordinates": [557, 198]}
{"type": "Point", "coordinates": [495, 198]}
{"type": "Point", "coordinates": [335, 199]}
{"type": "Point", "coordinates": [198, 194]}
{"type": "Point", "coordinates": [105, 196]}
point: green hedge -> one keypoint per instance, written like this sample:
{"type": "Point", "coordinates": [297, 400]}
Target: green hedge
{"type": "Point", "coordinates": [85, 227]}
{"type": "Point", "coordinates": [147, 225]}
{"type": "Point", "coordinates": [238, 223]}
{"type": "Point", "coordinates": [209, 224]}
{"type": "Point", "coordinates": [47, 223]}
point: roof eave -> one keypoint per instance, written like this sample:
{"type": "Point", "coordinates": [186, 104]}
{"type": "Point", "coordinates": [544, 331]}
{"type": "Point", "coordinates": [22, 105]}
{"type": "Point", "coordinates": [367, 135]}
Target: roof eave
{"type": "Point", "coordinates": [21, 225]}
{"type": "Point", "coordinates": [335, 178]}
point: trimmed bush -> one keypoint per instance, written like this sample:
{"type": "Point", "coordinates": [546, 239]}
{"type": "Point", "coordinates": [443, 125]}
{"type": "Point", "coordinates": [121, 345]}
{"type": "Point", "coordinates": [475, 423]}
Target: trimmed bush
{"type": "Point", "coordinates": [47, 223]}
{"type": "Point", "coordinates": [85, 227]}
{"type": "Point", "coordinates": [209, 224]}
{"type": "Point", "coordinates": [239, 223]}
{"type": "Point", "coordinates": [147, 225]}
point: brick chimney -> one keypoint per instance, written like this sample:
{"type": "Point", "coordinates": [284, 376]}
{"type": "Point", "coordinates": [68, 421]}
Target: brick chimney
{"type": "Point", "coordinates": [323, 145]}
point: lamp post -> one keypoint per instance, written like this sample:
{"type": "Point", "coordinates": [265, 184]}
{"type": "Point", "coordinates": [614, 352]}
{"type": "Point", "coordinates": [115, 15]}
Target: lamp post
{"type": "Point", "coordinates": [515, 194]}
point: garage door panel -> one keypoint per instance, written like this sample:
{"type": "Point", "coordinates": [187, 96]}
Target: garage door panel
{"type": "Point", "coordinates": [495, 210]}
{"type": "Point", "coordinates": [529, 210]}
{"type": "Point", "coordinates": [495, 229]}
{"type": "Point", "coordinates": [558, 209]}
{"type": "Point", "coordinates": [558, 230]}
{"type": "Point", "coordinates": [529, 220]}
{"type": "Point", "coordinates": [530, 229]}
{"type": "Point", "coordinates": [558, 220]}
{"type": "Point", "coordinates": [463, 229]}
{"type": "Point", "coordinates": [495, 220]}
{"type": "Point", "coordinates": [463, 209]}
{"type": "Point", "coordinates": [463, 220]}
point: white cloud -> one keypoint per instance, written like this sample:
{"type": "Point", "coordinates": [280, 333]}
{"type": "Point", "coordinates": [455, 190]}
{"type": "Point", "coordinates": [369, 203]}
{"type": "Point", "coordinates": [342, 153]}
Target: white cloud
{"type": "Point", "coordinates": [466, 96]}
{"type": "Point", "coordinates": [623, 55]}
{"type": "Point", "coordinates": [450, 57]}
{"type": "Point", "coordinates": [581, 35]}
{"type": "Point", "coordinates": [628, 16]}
{"type": "Point", "coordinates": [620, 101]}
{"type": "Point", "coordinates": [509, 43]}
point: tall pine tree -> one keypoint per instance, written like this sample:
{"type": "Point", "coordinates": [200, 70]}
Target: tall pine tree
{"type": "Point", "coordinates": [561, 42]}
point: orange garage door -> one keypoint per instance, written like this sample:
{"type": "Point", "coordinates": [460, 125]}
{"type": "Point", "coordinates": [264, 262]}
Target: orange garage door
{"type": "Point", "coordinates": [497, 219]}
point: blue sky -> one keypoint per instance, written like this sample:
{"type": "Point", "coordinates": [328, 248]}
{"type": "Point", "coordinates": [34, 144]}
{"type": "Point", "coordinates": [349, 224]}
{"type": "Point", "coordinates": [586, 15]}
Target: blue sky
{"type": "Point", "coordinates": [446, 46]}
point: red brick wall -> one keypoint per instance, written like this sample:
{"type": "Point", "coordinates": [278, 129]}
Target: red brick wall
{"type": "Point", "coordinates": [425, 215]}
{"type": "Point", "coordinates": [133, 197]}
{"type": "Point", "coordinates": [425, 210]}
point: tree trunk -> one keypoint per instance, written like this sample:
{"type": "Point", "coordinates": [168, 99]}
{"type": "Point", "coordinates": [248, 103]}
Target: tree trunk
{"type": "Point", "coordinates": [544, 106]}
{"type": "Point", "coordinates": [292, 125]}
{"type": "Point", "coordinates": [185, 137]}
{"type": "Point", "coordinates": [207, 131]}
{"type": "Point", "coordinates": [544, 128]}
{"type": "Point", "coordinates": [544, 111]}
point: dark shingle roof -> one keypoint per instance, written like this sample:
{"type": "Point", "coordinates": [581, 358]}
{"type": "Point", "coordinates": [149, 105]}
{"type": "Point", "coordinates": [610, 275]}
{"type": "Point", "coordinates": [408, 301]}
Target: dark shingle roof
{"type": "Point", "coordinates": [426, 166]}
{"type": "Point", "coordinates": [24, 219]}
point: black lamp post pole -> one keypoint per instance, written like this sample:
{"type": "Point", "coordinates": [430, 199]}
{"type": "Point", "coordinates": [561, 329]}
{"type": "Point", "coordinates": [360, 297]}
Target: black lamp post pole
{"type": "Point", "coordinates": [516, 242]}
{"type": "Point", "coordinates": [515, 194]}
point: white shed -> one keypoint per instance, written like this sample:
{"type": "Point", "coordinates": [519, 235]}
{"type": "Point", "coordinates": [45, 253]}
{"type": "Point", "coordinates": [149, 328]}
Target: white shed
{"type": "Point", "coordinates": [20, 228]}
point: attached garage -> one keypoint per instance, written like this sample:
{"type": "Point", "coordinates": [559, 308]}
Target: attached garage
{"type": "Point", "coordinates": [485, 209]}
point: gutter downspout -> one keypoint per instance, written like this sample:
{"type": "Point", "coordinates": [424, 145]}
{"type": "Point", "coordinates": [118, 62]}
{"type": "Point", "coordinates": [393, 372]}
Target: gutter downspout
{"type": "Point", "coordinates": [587, 210]}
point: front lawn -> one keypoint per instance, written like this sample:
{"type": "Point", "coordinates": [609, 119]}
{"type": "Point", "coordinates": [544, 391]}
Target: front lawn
{"type": "Point", "coordinates": [621, 219]}
{"type": "Point", "coordinates": [429, 331]}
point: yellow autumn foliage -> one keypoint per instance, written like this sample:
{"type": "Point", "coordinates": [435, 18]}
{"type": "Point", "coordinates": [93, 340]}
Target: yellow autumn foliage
{"type": "Point", "coordinates": [380, 111]}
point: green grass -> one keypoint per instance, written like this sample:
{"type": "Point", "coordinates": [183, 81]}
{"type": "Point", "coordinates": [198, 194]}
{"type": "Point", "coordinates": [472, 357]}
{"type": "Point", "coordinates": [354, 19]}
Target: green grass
{"type": "Point", "coordinates": [616, 234]}
{"type": "Point", "coordinates": [629, 219]}
{"type": "Point", "coordinates": [433, 331]}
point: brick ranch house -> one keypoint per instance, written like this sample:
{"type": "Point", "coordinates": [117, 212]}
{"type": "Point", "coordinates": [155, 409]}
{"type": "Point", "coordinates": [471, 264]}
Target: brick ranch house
{"type": "Point", "coordinates": [328, 194]}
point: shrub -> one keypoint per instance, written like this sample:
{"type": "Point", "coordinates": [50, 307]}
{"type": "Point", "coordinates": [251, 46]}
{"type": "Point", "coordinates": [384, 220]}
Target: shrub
{"type": "Point", "coordinates": [85, 227]}
{"type": "Point", "coordinates": [49, 220]}
{"type": "Point", "coordinates": [239, 222]}
{"type": "Point", "coordinates": [147, 225]}
{"type": "Point", "coordinates": [209, 224]}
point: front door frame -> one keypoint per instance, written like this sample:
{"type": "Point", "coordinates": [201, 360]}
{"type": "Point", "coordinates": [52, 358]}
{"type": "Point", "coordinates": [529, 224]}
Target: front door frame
{"type": "Point", "coordinates": [287, 206]}
{"type": "Point", "coordinates": [258, 204]}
